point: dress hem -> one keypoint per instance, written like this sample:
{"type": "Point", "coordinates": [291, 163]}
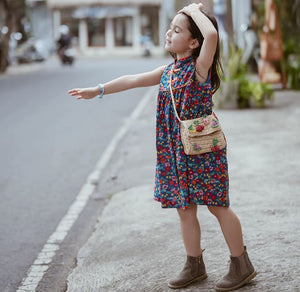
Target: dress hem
{"type": "Point", "coordinates": [176, 206]}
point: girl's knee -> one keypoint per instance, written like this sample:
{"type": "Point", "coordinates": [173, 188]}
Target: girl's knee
{"type": "Point", "coordinates": [217, 211]}
{"type": "Point", "coordinates": [212, 209]}
{"type": "Point", "coordinates": [186, 214]}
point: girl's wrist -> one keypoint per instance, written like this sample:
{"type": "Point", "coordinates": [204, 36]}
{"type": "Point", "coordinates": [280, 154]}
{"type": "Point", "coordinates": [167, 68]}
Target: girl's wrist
{"type": "Point", "coordinates": [100, 90]}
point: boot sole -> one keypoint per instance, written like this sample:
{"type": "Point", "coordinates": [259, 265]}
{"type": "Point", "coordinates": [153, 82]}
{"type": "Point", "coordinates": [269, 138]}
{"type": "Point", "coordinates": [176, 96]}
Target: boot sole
{"type": "Point", "coordinates": [247, 280]}
{"type": "Point", "coordinates": [202, 277]}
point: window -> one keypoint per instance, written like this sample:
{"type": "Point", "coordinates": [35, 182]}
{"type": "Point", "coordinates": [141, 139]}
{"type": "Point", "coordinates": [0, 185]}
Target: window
{"type": "Point", "coordinates": [123, 31]}
{"type": "Point", "coordinates": [96, 32]}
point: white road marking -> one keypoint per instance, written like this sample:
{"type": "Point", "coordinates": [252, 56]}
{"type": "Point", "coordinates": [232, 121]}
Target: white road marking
{"type": "Point", "coordinates": [44, 258]}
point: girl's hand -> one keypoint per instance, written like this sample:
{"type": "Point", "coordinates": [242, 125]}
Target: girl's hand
{"type": "Point", "coordinates": [84, 93]}
{"type": "Point", "coordinates": [190, 8]}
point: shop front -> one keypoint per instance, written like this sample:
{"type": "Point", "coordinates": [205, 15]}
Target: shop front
{"type": "Point", "coordinates": [112, 27]}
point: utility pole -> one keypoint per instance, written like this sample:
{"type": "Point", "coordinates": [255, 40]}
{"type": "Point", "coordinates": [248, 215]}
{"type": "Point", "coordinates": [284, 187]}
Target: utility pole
{"type": "Point", "coordinates": [229, 22]}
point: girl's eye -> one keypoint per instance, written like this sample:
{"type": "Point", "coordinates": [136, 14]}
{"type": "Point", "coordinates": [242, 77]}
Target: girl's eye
{"type": "Point", "coordinates": [176, 29]}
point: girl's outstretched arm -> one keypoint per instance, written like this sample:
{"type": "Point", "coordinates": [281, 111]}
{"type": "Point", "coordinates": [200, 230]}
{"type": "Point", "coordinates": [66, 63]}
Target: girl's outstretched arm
{"type": "Point", "coordinates": [120, 84]}
{"type": "Point", "coordinates": [210, 35]}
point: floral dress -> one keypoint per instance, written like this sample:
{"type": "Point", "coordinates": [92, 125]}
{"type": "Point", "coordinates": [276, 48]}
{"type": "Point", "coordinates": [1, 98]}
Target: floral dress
{"type": "Point", "coordinates": [180, 179]}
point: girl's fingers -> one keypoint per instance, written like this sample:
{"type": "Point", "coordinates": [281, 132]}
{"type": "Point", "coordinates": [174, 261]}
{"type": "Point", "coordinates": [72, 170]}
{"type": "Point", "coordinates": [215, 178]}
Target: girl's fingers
{"type": "Point", "coordinates": [74, 90]}
{"type": "Point", "coordinates": [79, 93]}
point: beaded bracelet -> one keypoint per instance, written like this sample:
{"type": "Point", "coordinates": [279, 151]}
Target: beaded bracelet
{"type": "Point", "coordinates": [101, 86]}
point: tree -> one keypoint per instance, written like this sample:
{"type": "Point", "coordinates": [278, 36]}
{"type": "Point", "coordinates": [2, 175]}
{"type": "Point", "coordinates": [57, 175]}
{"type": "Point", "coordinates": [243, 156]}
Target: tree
{"type": "Point", "coordinates": [14, 11]}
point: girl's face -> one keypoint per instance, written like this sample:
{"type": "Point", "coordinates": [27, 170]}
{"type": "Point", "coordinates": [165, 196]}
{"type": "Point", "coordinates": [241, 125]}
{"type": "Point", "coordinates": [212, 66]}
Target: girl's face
{"type": "Point", "coordinates": [178, 37]}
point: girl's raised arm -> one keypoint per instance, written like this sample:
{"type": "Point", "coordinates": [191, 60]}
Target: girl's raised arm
{"type": "Point", "coordinates": [120, 84]}
{"type": "Point", "coordinates": [209, 45]}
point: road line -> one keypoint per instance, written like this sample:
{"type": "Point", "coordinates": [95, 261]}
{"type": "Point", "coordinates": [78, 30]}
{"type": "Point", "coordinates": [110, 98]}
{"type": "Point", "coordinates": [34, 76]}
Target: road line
{"type": "Point", "coordinates": [44, 258]}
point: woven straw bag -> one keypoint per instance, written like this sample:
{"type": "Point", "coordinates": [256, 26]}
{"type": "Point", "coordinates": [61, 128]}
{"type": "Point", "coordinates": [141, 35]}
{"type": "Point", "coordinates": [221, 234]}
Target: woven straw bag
{"type": "Point", "coordinates": [200, 135]}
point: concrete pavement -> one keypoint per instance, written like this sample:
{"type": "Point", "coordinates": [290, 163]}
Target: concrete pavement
{"type": "Point", "coordinates": [137, 246]}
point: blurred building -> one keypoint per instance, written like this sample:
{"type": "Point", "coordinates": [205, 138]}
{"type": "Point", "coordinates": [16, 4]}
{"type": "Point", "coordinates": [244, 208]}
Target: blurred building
{"type": "Point", "coordinates": [118, 26]}
{"type": "Point", "coordinates": [241, 21]}
{"type": "Point", "coordinates": [40, 25]}
{"type": "Point", "coordinates": [113, 26]}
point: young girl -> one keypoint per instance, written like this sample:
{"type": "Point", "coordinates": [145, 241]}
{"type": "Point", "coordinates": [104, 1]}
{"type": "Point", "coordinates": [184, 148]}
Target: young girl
{"type": "Point", "coordinates": [185, 181]}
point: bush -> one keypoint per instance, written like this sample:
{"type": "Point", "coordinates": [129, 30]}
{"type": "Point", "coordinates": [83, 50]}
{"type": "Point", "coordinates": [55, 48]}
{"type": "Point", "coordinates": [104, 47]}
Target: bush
{"type": "Point", "coordinates": [236, 77]}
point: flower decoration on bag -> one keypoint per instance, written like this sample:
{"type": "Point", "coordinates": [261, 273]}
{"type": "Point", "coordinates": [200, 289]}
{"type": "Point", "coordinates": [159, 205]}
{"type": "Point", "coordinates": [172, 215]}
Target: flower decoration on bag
{"type": "Point", "coordinates": [196, 127]}
{"type": "Point", "coordinates": [196, 147]}
{"type": "Point", "coordinates": [191, 128]}
{"type": "Point", "coordinates": [214, 123]}
{"type": "Point", "coordinates": [206, 121]}
{"type": "Point", "coordinates": [200, 128]}
{"type": "Point", "coordinates": [215, 147]}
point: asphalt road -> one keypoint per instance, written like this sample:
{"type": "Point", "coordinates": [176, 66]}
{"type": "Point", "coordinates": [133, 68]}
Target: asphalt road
{"type": "Point", "coordinates": [50, 143]}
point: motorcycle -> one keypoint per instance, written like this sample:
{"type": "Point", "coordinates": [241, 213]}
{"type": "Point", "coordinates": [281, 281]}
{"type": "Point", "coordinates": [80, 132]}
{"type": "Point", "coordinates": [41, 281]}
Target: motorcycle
{"type": "Point", "coordinates": [65, 50]}
{"type": "Point", "coordinates": [66, 55]}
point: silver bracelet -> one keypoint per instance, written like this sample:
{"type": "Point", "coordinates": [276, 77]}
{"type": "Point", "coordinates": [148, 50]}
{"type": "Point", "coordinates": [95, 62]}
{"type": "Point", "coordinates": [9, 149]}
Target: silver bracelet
{"type": "Point", "coordinates": [101, 86]}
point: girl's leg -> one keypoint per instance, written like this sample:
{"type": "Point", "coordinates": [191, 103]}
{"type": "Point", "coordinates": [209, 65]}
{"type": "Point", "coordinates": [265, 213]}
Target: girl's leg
{"type": "Point", "coordinates": [190, 230]}
{"type": "Point", "coordinates": [194, 268]}
{"type": "Point", "coordinates": [241, 270]}
{"type": "Point", "coordinates": [231, 228]}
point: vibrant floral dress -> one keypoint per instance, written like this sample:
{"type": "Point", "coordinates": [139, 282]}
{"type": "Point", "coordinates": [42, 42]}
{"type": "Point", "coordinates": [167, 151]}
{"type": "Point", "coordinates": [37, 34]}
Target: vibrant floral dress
{"type": "Point", "coordinates": [181, 179]}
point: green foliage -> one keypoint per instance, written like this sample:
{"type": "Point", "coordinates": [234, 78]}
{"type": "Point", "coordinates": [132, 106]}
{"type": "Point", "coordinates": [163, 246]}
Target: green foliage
{"type": "Point", "coordinates": [293, 71]}
{"type": "Point", "coordinates": [289, 12]}
{"type": "Point", "coordinates": [256, 91]}
{"type": "Point", "coordinates": [248, 91]}
{"type": "Point", "coordinates": [234, 68]}
{"type": "Point", "coordinates": [291, 63]}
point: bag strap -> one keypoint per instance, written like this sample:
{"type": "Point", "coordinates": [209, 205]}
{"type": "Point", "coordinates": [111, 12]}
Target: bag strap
{"type": "Point", "coordinates": [172, 96]}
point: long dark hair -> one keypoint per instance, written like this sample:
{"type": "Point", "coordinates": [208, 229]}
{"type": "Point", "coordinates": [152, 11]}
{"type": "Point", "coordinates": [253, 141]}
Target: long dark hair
{"type": "Point", "coordinates": [196, 34]}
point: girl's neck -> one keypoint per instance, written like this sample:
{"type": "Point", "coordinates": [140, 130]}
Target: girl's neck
{"type": "Point", "coordinates": [183, 55]}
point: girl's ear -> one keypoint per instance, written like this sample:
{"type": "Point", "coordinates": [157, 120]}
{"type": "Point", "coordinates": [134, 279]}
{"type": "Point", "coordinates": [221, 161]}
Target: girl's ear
{"type": "Point", "coordinates": [194, 44]}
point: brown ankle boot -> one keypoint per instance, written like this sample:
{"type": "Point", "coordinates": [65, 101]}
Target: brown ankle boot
{"type": "Point", "coordinates": [241, 271]}
{"type": "Point", "coordinates": [193, 270]}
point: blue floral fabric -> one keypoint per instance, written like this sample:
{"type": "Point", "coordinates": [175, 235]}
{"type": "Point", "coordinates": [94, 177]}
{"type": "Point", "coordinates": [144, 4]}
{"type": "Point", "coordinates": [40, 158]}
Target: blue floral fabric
{"type": "Point", "coordinates": [181, 179]}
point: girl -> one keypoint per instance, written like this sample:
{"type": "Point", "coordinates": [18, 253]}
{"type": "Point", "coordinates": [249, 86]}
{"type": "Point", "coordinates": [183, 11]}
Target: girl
{"type": "Point", "coordinates": [185, 181]}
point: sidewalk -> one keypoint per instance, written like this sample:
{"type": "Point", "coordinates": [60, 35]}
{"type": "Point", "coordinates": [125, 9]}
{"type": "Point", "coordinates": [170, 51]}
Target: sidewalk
{"type": "Point", "coordinates": [19, 69]}
{"type": "Point", "coordinates": [137, 246]}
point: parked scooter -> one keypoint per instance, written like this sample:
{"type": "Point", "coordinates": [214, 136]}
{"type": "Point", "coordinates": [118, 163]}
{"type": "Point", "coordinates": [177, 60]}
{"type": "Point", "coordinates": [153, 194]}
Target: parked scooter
{"type": "Point", "coordinates": [64, 47]}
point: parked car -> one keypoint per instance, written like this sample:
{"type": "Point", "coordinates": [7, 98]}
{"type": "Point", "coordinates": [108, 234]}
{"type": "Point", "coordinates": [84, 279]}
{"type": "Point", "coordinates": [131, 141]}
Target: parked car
{"type": "Point", "coordinates": [33, 50]}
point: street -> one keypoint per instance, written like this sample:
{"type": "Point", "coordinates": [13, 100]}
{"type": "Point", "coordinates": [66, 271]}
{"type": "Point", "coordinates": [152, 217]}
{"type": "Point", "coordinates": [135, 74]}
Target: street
{"type": "Point", "coordinates": [50, 143]}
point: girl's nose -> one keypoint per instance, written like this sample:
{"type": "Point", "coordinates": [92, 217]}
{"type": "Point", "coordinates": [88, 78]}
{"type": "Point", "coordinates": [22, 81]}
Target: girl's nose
{"type": "Point", "coordinates": [168, 34]}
